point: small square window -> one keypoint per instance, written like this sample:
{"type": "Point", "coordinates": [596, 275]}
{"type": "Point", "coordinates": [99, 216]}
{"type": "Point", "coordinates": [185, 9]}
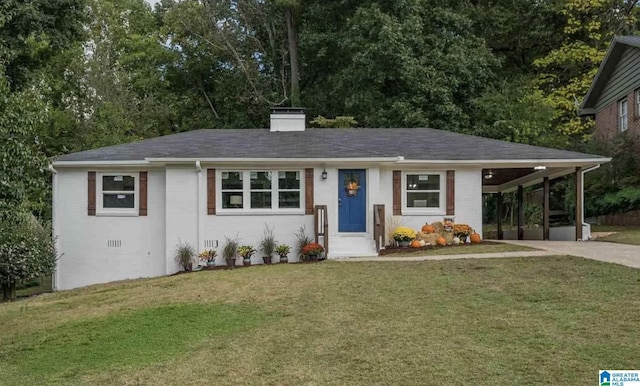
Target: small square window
{"type": "Point", "coordinates": [117, 193]}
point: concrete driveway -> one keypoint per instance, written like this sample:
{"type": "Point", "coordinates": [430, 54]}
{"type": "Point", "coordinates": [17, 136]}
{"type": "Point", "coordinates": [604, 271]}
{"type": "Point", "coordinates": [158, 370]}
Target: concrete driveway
{"type": "Point", "coordinates": [622, 254]}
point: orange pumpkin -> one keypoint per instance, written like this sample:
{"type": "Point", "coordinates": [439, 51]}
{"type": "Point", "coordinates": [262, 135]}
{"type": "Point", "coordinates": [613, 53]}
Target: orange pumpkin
{"type": "Point", "coordinates": [475, 238]}
{"type": "Point", "coordinates": [428, 228]}
{"type": "Point", "coordinates": [415, 244]}
{"type": "Point", "coordinates": [441, 241]}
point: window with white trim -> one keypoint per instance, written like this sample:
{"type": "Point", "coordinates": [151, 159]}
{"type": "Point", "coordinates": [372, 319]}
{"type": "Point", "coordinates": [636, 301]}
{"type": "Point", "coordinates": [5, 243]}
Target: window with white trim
{"type": "Point", "coordinates": [117, 193]}
{"type": "Point", "coordinates": [261, 190]}
{"type": "Point", "coordinates": [423, 192]}
{"type": "Point", "coordinates": [622, 115]}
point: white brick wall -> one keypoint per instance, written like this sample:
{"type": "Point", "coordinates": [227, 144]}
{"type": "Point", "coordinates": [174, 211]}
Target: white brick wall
{"type": "Point", "coordinates": [176, 213]}
{"type": "Point", "coordinates": [83, 240]}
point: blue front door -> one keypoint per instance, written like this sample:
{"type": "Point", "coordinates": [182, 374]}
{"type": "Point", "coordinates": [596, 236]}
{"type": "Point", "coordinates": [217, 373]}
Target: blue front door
{"type": "Point", "coordinates": [352, 200]}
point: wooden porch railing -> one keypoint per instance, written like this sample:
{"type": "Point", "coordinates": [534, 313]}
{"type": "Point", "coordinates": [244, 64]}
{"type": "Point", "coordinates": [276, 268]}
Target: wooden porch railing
{"type": "Point", "coordinates": [321, 226]}
{"type": "Point", "coordinates": [378, 226]}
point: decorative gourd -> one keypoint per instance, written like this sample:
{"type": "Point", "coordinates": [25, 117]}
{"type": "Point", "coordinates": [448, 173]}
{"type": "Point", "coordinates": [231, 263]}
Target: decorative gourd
{"type": "Point", "coordinates": [475, 238]}
{"type": "Point", "coordinates": [428, 228]}
{"type": "Point", "coordinates": [422, 243]}
{"type": "Point", "coordinates": [456, 240]}
{"type": "Point", "coordinates": [441, 241]}
{"type": "Point", "coordinates": [415, 244]}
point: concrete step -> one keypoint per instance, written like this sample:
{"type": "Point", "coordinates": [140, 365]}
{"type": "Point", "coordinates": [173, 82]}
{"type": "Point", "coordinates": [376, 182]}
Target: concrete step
{"type": "Point", "coordinates": [352, 245]}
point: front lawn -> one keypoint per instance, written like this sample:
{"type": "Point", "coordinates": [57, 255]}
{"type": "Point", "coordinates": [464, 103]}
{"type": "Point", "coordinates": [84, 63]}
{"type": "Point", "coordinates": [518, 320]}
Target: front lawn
{"type": "Point", "coordinates": [622, 235]}
{"type": "Point", "coordinates": [536, 320]}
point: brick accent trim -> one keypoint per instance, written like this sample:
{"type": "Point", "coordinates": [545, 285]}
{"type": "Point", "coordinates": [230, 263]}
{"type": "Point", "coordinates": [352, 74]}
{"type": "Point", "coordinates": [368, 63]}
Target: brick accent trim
{"type": "Point", "coordinates": [451, 192]}
{"type": "Point", "coordinates": [397, 193]}
{"type": "Point", "coordinates": [142, 200]}
{"type": "Point", "coordinates": [91, 194]}
{"type": "Point", "coordinates": [211, 191]}
{"type": "Point", "coordinates": [308, 190]}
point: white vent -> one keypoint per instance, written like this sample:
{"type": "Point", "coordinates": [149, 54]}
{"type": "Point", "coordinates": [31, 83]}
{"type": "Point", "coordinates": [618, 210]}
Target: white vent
{"type": "Point", "coordinates": [211, 244]}
{"type": "Point", "coordinates": [287, 119]}
{"type": "Point", "coordinates": [114, 243]}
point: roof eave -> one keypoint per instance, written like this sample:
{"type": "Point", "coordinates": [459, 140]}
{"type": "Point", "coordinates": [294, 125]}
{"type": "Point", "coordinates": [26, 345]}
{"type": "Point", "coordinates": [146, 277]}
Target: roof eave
{"type": "Point", "coordinates": [587, 103]}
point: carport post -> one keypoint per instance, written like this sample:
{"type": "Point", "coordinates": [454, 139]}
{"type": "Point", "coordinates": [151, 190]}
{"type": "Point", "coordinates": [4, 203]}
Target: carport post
{"type": "Point", "coordinates": [579, 203]}
{"type": "Point", "coordinates": [499, 215]}
{"type": "Point", "coordinates": [520, 212]}
{"type": "Point", "coordinates": [545, 210]}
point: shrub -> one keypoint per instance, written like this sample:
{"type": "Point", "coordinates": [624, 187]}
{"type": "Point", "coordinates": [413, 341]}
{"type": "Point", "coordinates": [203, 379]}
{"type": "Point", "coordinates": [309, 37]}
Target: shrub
{"type": "Point", "coordinates": [404, 234]}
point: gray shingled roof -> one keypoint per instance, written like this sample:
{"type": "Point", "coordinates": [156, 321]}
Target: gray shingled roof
{"type": "Point", "coordinates": [608, 65]}
{"type": "Point", "coordinates": [412, 144]}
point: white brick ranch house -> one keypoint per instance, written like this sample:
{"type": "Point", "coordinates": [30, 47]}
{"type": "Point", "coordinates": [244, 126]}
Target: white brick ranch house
{"type": "Point", "coordinates": [119, 211]}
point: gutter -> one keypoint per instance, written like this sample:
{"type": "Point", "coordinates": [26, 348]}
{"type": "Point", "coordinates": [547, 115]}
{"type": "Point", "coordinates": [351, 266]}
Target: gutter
{"type": "Point", "coordinates": [54, 222]}
{"type": "Point", "coordinates": [198, 210]}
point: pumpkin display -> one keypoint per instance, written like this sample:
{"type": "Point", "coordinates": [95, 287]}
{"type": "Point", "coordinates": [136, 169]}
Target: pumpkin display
{"type": "Point", "coordinates": [415, 244]}
{"type": "Point", "coordinates": [428, 228]}
{"type": "Point", "coordinates": [441, 241]}
{"type": "Point", "coordinates": [475, 238]}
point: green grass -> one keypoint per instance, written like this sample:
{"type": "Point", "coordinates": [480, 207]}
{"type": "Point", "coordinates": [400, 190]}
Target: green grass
{"type": "Point", "coordinates": [623, 235]}
{"type": "Point", "coordinates": [484, 247]}
{"type": "Point", "coordinates": [537, 320]}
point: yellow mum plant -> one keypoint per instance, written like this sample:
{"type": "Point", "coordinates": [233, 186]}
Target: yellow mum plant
{"type": "Point", "coordinates": [404, 234]}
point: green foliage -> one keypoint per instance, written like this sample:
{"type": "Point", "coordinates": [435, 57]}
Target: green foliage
{"type": "Point", "coordinates": [337, 122]}
{"type": "Point", "coordinates": [620, 201]}
{"type": "Point", "coordinates": [27, 251]}
{"type": "Point", "coordinates": [511, 111]}
{"type": "Point", "coordinates": [184, 255]}
{"type": "Point", "coordinates": [22, 181]}
{"type": "Point", "coordinates": [405, 64]}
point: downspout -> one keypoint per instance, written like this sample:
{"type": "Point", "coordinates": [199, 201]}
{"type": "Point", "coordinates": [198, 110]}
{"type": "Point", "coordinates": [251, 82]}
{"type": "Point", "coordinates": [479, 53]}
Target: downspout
{"type": "Point", "coordinates": [582, 195]}
{"type": "Point", "coordinates": [198, 210]}
{"type": "Point", "coordinates": [54, 222]}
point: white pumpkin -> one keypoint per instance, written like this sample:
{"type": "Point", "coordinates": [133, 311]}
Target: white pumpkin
{"type": "Point", "coordinates": [422, 243]}
{"type": "Point", "coordinates": [456, 240]}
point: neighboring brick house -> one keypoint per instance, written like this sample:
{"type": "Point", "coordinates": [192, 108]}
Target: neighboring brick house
{"type": "Point", "coordinates": [614, 96]}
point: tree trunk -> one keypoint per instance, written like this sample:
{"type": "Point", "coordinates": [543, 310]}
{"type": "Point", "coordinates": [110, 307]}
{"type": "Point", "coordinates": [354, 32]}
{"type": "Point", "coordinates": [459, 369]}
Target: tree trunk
{"type": "Point", "coordinates": [292, 35]}
{"type": "Point", "coordinates": [9, 291]}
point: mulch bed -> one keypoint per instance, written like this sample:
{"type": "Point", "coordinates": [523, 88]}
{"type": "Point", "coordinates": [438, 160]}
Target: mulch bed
{"type": "Point", "coordinates": [394, 249]}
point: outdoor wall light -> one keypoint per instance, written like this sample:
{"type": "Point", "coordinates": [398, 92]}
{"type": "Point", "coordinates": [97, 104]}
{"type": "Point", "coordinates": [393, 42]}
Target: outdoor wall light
{"type": "Point", "coordinates": [489, 175]}
{"type": "Point", "coordinates": [324, 174]}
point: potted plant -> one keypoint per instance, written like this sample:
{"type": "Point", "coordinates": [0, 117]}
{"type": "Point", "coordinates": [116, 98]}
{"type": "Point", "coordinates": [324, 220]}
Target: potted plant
{"type": "Point", "coordinates": [246, 251]}
{"type": "Point", "coordinates": [312, 251]}
{"type": "Point", "coordinates": [208, 257]}
{"type": "Point", "coordinates": [302, 239]}
{"type": "Point", "coordinates": [184, 256]}
{"type": "Point", "coordinates": [283, 250]}
{"type": "Point", "coordinates": [229, 251]}
{"type": "Point", "coordinates": [462, 231]}
{"type": "Point", "coordinates": [404, 235]}
{"type": "Point", "coordinates": [267, 244]}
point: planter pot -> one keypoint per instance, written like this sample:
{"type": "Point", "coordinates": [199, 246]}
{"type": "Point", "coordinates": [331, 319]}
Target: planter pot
{"type": "Point", "coordinates": [284, 259]}
{"type": "Point", "coordinates": [211, 263]}
{"type": "Point", "coordinates": [404, 243]}
{"type": "Point", "coordinates": [267, 259]}
{"type": "Point", "coordinates": [246, 262]}
{"type": "Point", "coordinates": [231, 263]}
{"type": "Point", "coordinates": [313, 257]}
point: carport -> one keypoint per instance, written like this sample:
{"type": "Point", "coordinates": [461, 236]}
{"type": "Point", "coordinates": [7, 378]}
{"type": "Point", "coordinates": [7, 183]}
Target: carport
{"type": "Point", "coordinates": [515, 177]}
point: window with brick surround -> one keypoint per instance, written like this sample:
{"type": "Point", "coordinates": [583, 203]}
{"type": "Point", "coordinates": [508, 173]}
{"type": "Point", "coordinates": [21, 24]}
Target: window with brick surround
{"type": "Point", "coordinates": [622, 115]}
